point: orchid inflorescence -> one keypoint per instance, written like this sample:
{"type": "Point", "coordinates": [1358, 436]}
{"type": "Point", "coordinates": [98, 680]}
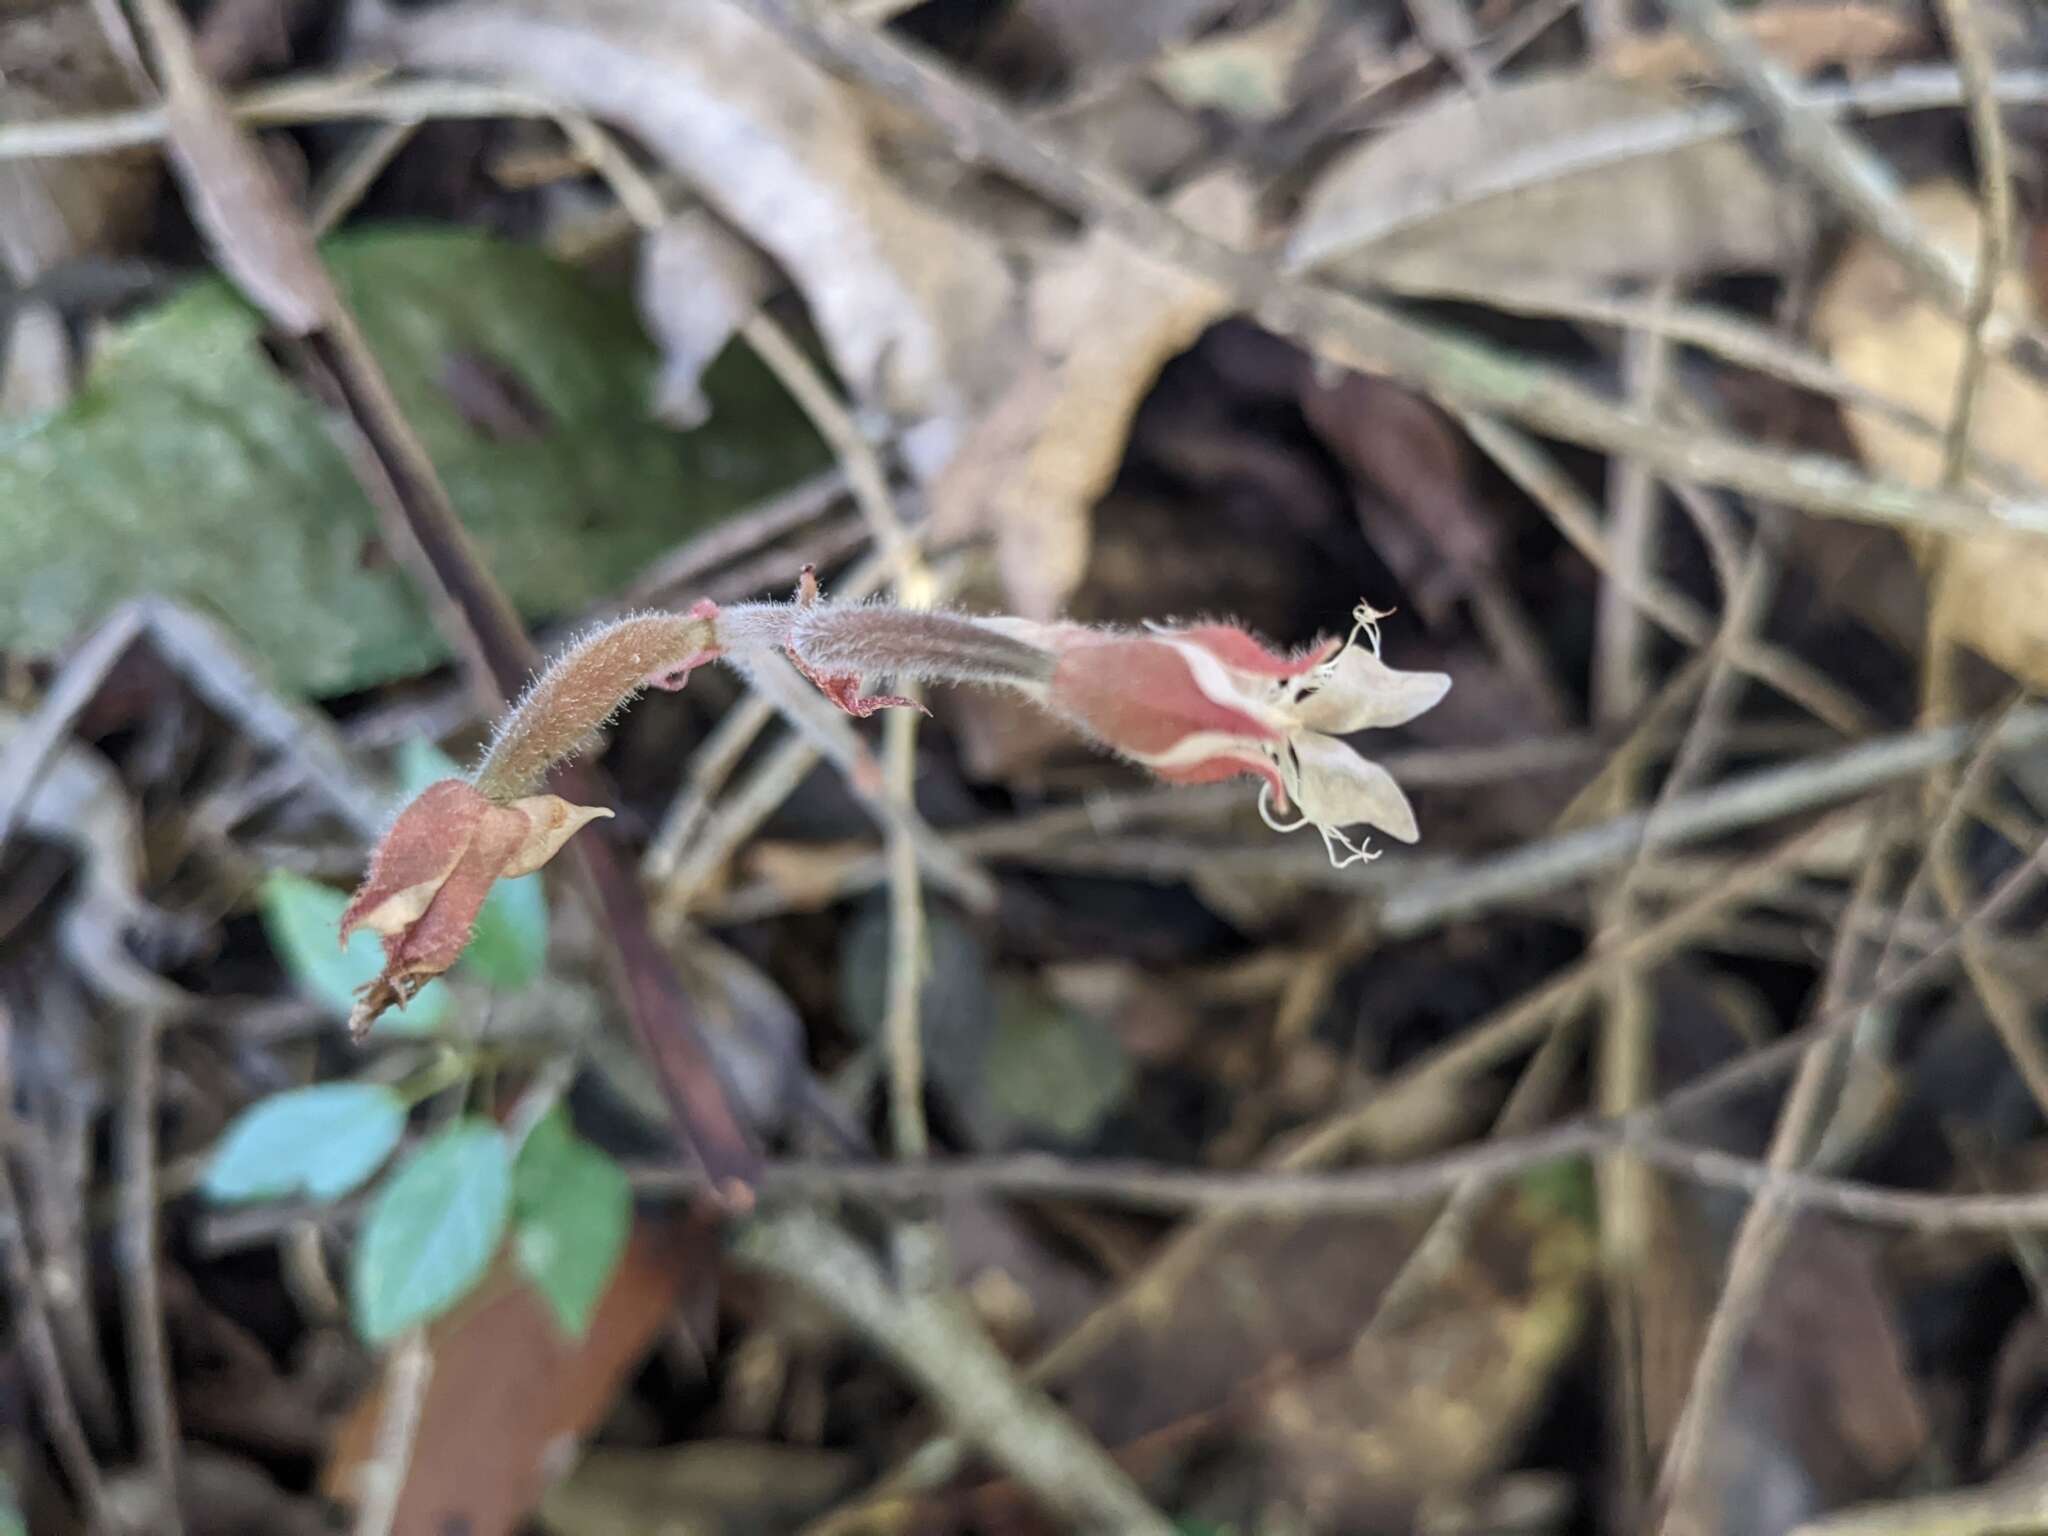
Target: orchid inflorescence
{"type": "Point", "coordinates": [1193, 703]}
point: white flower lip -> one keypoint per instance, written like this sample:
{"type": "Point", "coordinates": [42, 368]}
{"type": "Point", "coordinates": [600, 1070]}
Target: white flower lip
{"type": "Point", "coordinates": [1335, 787]}
{"type": "Point", "coordinates": [1356, 691]}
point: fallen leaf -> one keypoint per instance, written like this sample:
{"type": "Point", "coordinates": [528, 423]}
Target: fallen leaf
{"type": "Point", "coordinates": [698, 284]}
{"type": "Point", "coordinates": [1823, 1407]}
{"type": "Point", "coordinates": [189, 467]}
{"type": "Point", "coordinates": [1526, 183]}
{"type": "Point", "coordinates": [510, 1397]}
{"type": "Point", "coordinates": [1346, 1430]}
{"type": "Point", "coordinates": [59, 63]}
{"type": "Point", "coordinates": [1104, 318]}
{"type": "Point", "coordinates": [1803, 37]}
{"type": "Point", "coordinates": [1985, 590]}
{"type": "Point", "coordinates": [911, 305]}
{"type": "Point", "coordinates": [1244, 74]}
{"type": "Point", "coordinates": [35, 362]}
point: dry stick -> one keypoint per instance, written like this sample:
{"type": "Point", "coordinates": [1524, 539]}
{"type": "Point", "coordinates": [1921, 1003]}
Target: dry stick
{"type": "Point", "coordinates": [264, 245]}
{"type": "Point", "coordinates": [1619, 638]}
{"type": "Point", "coordinates": [1623, 1060]}
{"type": "Point", "coordinates": [31, 1323]}
{"type": "Point", "coordinates": [1825, 153]}
{"type": "Point", "coordinates": [1987, 136]}
{"type": "Point", "coordinates": [1418, 901]}
{"type": "Point", "coordinates": [368, 93]}
{"type": "Point", "coordinates": [1766, 1225]}
{"type": "Point", "coordinates": [1167, 1190]}
{"type": "Point", "coordinates": [1540, 477]}
{"type": "Point", "coordinates": [732, 539]}
{"type": "Point", "coordinates": [931, 1337]}
{"type": "Point", "coordinates": [1733, 338]}
{"type": "Point", "coordinates": [344, 185]}
{"type": "Point", "coordinates": [870, 486]}
{"type": "Point", "coordinates": [381, 1480]}
{"type": "Point", "coordinates": [135, 1244]}
{"type": "Point", "coordinates": [901, 1028]}
{"type": "Point", "coordinates": [1352, 331]}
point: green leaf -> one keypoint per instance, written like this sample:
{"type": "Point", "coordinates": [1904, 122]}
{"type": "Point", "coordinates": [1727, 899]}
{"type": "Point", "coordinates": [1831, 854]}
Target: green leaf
{"type": "Point", "coordinates": [188, 465]}
{"type": "Point", "coordinates": [1054, 1072]}
{"type": "Point", "coordinates": [302, 917]}
{"type": "Point", "coordinates": [432, 1231]}
{"type": "Point", "coordinates": [509, 948]}
{"type": "Point", "coordinates": [324, 1140]}
{"type": "Point", "coordinates": [573, 1209]}
{"type": "Point", "coordinates": [11, 1521]}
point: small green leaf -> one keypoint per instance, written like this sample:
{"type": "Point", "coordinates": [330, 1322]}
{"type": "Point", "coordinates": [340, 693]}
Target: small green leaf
{"type": "Point", "coordinates": [302, 918]}
{"type": "Point", "coordinates": [432, 1231]}
{"type": "Point", "coordinates": [324, 1140]}
{"type": "Point", "coordinates": [509, 947]}
{"type": "Point", "coordinates": [573, 1209]}
{"type": "Point", "coordinates": [11, 1521]}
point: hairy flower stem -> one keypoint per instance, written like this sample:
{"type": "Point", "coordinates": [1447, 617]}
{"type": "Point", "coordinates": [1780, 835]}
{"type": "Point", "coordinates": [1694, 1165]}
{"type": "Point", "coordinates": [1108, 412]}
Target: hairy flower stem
{"type": "Point", "coordinates": [589, 683]}
{"type": "Point", "coordinates": [583, 688]}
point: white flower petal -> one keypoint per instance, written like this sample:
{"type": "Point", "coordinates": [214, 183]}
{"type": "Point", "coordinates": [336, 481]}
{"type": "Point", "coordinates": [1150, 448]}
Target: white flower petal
{"type": "Point", "coordinates": [1361, 692]}
{"type": "Point", "coordinates": [1338, 788]}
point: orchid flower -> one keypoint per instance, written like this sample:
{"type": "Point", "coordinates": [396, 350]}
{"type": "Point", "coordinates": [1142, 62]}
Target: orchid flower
{"type": "Point", "coordinates": [1193, 704]}
{"type": "Point", "coordinates": [1209, 701]}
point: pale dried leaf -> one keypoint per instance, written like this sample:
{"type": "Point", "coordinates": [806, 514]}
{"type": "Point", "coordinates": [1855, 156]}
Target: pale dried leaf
{"type": "Point", "coordinates": [1803, 37]}
{"type": "Point", "coordinates": [1529, 182]}
{"type": "Point", "coordinates": [1986, 590]}
{"type": "Point", "coordinates": [910, 304]}
{"type": "Point", "coordinates": [35, 372]}
{"type": "Point", "coordinates": [698, 284]}
{"type": "Point", "coordinates": [1104, 318]}
{"type": "Point", "coordinates": [58, 63]}
{"type": "Point", "coordinates": [1244, 74]}
{"type": "Point", "coordinates": [260, 241]}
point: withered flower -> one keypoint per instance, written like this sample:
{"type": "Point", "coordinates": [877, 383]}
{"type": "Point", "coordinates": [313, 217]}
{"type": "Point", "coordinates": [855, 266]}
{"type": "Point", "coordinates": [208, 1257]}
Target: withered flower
{"type": "Point", "coordinates": [431, 872]}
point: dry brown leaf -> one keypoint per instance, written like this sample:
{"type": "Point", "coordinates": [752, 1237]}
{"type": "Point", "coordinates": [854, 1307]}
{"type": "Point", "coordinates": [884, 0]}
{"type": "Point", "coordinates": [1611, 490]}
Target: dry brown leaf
{"type": "Point", "coordinates": [1345, 1430]}
{"type": "Point", "coordinates": [1823, 1408]}
{"type": "Point", "coordinates": [1526, 183]}
{"type": "Point", "coordinates": [1803, 38]}
{"type": "Point", "coordinates": [1104, 318]}
{"type": "Point", "coordinates": [509, 1398]}
{"type": "Point", "coordinates": [1990, 590]}
{"type": "Point", "coordinates": [912, 305]}
{"type": "Point", "coordinates": [58, 62]}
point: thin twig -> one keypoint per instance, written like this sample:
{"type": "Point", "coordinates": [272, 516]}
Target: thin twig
{"type": "Point", "coordinates": [932, 1338]}
{"type": "Point", "coordinates": [1281, 1195]}
{"type": "Point", "coordinates": [1836, 163]}
{"type": "Point", "coordinates": [1537, 472]}
{"type": "Point", "coordinates": [30, 1322]}
{"type": "Point", "coordinates": [1732, 337]}
{"type": "Point", "coordinates": [1768, 1222]}
{"type": "Point", "coordinates": [381, 1479]}
{"type": "Point", "coordinates": [142, 1312]}
{"type": "Point", "coordinates": [902, 1036]}
{"type": "Point", "coordinates": [1619, 680]}
{"type": "Point", "coordinates": [1987, 137]}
